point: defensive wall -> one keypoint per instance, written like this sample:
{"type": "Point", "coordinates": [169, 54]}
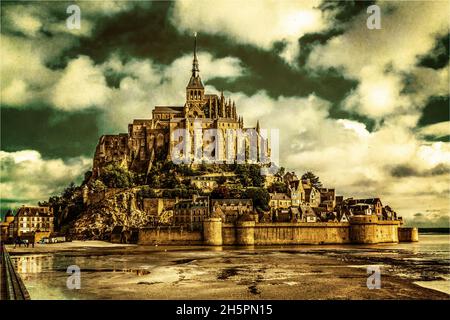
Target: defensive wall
{"type": "Point", "coordinates": [360, 229]}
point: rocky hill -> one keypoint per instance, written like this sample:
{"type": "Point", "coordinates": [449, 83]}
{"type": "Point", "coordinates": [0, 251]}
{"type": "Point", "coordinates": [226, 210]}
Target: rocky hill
{"type": "Point", "coordinates": [115, 198]}
{"type": "Point", "coordinates": [98, 220]}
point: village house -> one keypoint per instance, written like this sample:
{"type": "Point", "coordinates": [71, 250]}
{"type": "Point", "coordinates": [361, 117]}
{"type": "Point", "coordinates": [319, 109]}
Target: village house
{"type": "Point", "coordinates": [372, 205]}
{"type": "Point", "coordinates": [281, 215]}
{"type": "Point", "coordinates": [279, 201]}
{"type": "Point", "coordinates": [210, 181]}
{"type": "Point", "coordinates": [296, 192]}
{"type": "Point", "coordinates": [307, 214]}
{"type": "Point", "coordinates": [327, 198]}
{"type": "Point", "coordinates": [190, 213]}
{"type": "Point", "coordinates": [321, 213]}
{"type": "Point", "coordinates": [32, 221]}
{"type": "Point", "coordinates": [4, 226]}
{"type": "Point", "coordinates": [312, 194]}
{"type": "Point", "coordinates": [343, 216]}
{"type": "Point", "coordinates": [232, 209]}
{"type": "Point", "coordinates": [389, 214]}
{"type": "Point", "coordinates": [360, 209]}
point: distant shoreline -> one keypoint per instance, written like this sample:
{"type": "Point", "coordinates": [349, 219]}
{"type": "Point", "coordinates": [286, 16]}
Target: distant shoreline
{"type": "Point", "coordinates": [435, 230]}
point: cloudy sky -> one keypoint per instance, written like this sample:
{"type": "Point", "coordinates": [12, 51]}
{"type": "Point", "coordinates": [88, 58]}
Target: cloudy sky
{"type": "Point", "coordinates": [366, 110]}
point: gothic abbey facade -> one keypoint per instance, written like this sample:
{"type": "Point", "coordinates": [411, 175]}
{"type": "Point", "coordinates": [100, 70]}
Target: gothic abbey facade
{"type": "Point", "coordinates": [152, 139]}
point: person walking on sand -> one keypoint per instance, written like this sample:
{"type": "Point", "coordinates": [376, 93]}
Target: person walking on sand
{"type": "Point", "coordinates": [17, 242]}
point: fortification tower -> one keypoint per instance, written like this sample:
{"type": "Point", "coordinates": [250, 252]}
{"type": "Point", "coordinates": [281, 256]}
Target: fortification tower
{"type": "Point", "coordinates": [245, 231]}
{"type": "Point", "coordinates": [364, 229]}
{"type": "Point", "coordinates": [212, 230]}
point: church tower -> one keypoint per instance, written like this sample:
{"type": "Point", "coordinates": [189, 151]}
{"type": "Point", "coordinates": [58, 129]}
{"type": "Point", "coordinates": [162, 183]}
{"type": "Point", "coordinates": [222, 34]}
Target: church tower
{"type": "Point", "coordinates": [195, 90]}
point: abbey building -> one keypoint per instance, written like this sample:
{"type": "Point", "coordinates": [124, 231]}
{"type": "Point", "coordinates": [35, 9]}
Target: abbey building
{"type": "Point", "coordinates": [154, 139]}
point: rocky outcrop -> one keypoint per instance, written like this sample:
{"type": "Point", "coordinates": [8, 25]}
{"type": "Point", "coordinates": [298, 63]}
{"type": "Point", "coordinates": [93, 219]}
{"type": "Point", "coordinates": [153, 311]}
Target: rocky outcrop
{"type": "Point", "coordinates": [119, 209]}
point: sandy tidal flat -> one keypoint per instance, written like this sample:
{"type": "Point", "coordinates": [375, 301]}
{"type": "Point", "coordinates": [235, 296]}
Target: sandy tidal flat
{"type": "Point", "coordinates": [110, 271]}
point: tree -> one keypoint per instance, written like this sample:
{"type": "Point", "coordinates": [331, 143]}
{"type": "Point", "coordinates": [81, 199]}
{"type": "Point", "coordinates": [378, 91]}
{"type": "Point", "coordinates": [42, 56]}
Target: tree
{"type": "Point", "coordinates": [147, 192]}
{"type": "Point", "coordinates": [139, 179]}
{"type": "Point", "coordinates": [235, 193]}
{"type": "Point", "coordinates": [220, 192]}
{"type": "Point", "coordinates": [153, 178]}
{"type": "Point", "coordinates": [279, 187]}
{"type": "Point", "coordinates": [69, 191]}
{"type": "Point", "coordinates": [315, 181]}
{"type": "Point", "coordinates": [168, 166]}
{"type": "Point", "coordinates": [69, 202]}
{"type": "Point", "coordinates": [259, 196]}
{"type": "Point", "coordinates": [243, 175]}
{"type": "Point", "coordinates": [221, 180]}
{"type": "Point", "coordinates": [185, 170]}
{"type": "Point", "coordinates": [255, 175]}
{"type": "Point", "coordinates": [170, 181]}
{"type": "Point", "coordinates": [115, 176]}
{"type": "Point", "coordinates": [250, 175]}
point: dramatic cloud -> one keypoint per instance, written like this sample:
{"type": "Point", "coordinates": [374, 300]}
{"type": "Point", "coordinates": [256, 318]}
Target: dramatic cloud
{"type": "Point", "coordinates": [36, 37]}
{"type": "Point", "coordinates": [441, 129]}
{"type": "Point", "coordinates": [380, 59]}
{"type": "Point", "coordinates": [80, 86]}
{"type": "Point", "coordinates": [366, 110]}
{"type": "Point", "coordinates": [27, 177]}
{"type": "Point", "coordinates": [22, 60]}
{"type": "Point", "coordinates": [391, 162]}
{"type": "Point", "coordinates": [260, 23]}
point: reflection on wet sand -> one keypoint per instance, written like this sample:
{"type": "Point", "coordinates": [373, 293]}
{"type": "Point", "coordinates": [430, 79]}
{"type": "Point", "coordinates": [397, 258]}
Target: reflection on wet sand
{"type": "Point", "coordinates": [303, 272]}
{"type": "Point", "coordinates": [33, 263]}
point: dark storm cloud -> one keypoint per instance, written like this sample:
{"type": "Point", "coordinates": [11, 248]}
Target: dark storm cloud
{"type": "Point", "coordinates": [309, 40]}
{"type": "Point", "coordinates": [436, 110]}
{"type": "Point", "coordinates": [403, 171]}
{"type": "Point", "coordinates": [343, 11]}
{"type": "Point", "coordinates": [137, 33]}
{"type": "Point", "coordinates": [149, 34]}
{"type": "Point", "coordinates": [437, 139]}
{"type": "Point", "coordinates": [54, 133]}
{"type": "Point", "coordinates": [439, 56]}
{"type": "Point", "coordinates": [341, 14]}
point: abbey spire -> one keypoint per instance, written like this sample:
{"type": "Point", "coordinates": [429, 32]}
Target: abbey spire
{"type": "Point", "coordinates": [195, 89]}
{"type": "Point", "coordinates": [195, 69]}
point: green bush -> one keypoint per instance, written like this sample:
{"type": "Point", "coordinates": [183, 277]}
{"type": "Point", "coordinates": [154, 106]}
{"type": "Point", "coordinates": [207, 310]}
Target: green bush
{"type": "Point", "coordinates": [115, 176]}
{"type": "Point", "coordinates": [279, 187]}
{"type": "Point", "coordinates": [260, 197]}
{"type": "Point", "coordinates": [147, 192]}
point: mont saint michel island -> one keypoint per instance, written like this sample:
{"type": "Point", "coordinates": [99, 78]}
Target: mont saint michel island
{"type": "Point", "coordinates": [139, 191]}
{"type": "Point", "coordinates": [159, 151]}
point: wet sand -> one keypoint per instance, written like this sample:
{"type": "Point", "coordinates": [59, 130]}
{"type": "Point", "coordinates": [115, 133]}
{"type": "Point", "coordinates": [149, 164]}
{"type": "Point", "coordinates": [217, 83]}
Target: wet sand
{"type": "Point", "coordinates": [110, 271]}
